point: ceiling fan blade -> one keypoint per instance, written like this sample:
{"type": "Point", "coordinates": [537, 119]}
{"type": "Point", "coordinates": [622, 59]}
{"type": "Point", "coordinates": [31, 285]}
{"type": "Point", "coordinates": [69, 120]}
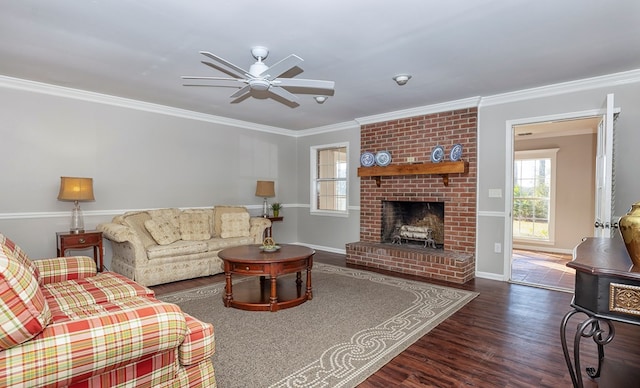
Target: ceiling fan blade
{"type": "Point", "coordinates": [241, 98]}
{"type": "Point", "coordinates": [230, 67]}
{"type": "Point", "coordinates": [283, 93]}
{"type": "Point", "coordinates": [284, 65]}
{"type": "Point", "coordinates": [211, 78]}
{"type": "Point", "coordinates": [212, 86]}
{"type": "Point", "coordinates": [241, 92]}
{"type": "Point", "coordinates": [305, 83]}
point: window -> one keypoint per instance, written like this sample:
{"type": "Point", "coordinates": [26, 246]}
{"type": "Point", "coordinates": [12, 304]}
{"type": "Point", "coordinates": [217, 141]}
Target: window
{"type": "Point", "coordinates": [329, 181]}
{"type": "Point", "coordinates": [534, 195]}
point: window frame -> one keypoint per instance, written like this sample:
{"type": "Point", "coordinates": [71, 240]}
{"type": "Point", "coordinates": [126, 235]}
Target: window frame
{"type": "Point", "coordinates": [313, 207]}
{"type": "Point", "coordinates": [551, 154]}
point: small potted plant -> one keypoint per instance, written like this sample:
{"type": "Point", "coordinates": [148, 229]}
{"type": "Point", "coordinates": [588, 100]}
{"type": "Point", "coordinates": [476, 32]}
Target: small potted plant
{"type": "Point", "coordinates": [276, 209]}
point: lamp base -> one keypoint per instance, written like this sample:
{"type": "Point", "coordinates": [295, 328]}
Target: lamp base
{"type": "Point", "coordinates": [77, 221]}
{"type": "Point", "coordinates": [265, 209]}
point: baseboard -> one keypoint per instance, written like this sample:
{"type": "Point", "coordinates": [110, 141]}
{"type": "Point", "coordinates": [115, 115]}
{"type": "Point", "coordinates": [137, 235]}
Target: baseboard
{"type": "Point", "coordinates": [323, 248]}
{"type": "Point", "coordinates": [544, 249]}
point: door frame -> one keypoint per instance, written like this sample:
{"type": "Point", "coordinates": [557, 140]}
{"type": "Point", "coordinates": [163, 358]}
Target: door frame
{"type": "Point", "coordinates": [509, 160]}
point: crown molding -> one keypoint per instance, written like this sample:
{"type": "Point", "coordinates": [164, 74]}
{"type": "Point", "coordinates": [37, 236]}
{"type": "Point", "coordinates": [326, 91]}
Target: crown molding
{"type": "Point", "coordinates": [66, 92]}
{"type": "Point", "coordinates": [615, 79]}
{"type": "Point", "coordinates": [347, 125]}
{"type": "Point", "coordinates": [471, 102]}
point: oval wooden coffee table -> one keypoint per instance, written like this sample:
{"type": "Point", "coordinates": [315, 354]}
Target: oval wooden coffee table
{"type": "Point", "coordinates": [251, 260]}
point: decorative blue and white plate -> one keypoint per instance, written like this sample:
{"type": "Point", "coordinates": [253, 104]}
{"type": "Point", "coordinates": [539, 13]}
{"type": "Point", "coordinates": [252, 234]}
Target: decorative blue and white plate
{"type": "Point", "coordinates": [437, 154]}
{"type": "Point", "coordinates": [367, 159]}
{"type": "Point", "coordinates": [383, 158]}
{"type": "Point", "coordinates": [456, 152]}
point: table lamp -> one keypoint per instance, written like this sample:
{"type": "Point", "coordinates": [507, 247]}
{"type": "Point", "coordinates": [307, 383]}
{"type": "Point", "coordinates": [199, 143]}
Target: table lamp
{"type": "Point", "coordinates": [265, 189]}
{"type": "Point", "coordinates": [76, 190]}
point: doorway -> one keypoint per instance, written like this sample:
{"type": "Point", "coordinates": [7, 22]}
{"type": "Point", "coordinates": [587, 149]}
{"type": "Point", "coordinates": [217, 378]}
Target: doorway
{"type": "Point", "coordinates": [554, 175]}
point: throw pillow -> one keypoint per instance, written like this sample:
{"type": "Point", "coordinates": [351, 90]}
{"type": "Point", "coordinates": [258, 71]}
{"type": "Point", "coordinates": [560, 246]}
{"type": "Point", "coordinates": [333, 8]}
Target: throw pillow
{"type": "Point", "coordinates": [21, 256]}
{"type": "Point", "coordinates": [235, 225]}
{"type": "Point", "coordinates": [162, 230]}
{"type": "Point", "coordinates": [23, 309]}
{"type": "Point", "coordinates": [218, 211]}
{"type": "Point", "coordinates": [194, 226]}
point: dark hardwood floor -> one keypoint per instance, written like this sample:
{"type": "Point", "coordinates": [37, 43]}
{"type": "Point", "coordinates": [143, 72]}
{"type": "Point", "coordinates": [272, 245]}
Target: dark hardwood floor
{"type": "Point", "coordinates": [509, 336]}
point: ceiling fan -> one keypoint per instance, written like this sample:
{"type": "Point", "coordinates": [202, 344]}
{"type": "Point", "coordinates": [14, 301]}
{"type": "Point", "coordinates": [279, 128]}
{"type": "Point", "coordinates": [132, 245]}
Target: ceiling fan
{"type": "Point", "coordinates": [262, 80]}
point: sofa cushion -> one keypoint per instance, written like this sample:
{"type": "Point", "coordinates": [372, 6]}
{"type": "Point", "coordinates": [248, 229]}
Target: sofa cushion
{"type": "Point", "coordinates": [235, 225]}
{"type": "Point", "coordinates": [178, 248]}
{"type": "Point", "coordinates": [162, 230]}
{"type": "Point", "coordinates": [170, 213]}
{"type": "Point", "coordinates": [194, 226]}
{"type": "Point", "coordinates": [219, 243]}
{"type": "Point", "coordinates": [218, 211]}
{"type": "Point", "coordinates": [21, 256]}
{"type": "Point", "coordinates": [24, 312]}
{"type": "Point", "coordinates": [136, 220]}
{"type": "Point", "coordinates": [103, 288]}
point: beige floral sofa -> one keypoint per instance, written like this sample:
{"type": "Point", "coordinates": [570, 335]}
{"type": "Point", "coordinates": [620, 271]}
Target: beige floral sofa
{"type": "Point", "coordinates": [166, 245]}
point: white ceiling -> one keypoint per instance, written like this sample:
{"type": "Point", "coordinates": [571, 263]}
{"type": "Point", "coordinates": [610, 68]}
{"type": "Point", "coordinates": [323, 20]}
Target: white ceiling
{"type": "Point", "coordinates": [453, 49]}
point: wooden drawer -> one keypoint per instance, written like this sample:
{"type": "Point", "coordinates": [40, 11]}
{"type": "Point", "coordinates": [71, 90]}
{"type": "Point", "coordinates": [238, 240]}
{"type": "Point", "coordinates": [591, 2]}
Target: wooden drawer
{"type": "Point", "coordinates": [295, 266]}
{"type": "Point", "coordinates": [83, 239]}
{"type": "Point", "coordinates": [252, 268]}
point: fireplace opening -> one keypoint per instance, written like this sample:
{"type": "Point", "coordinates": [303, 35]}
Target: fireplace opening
{"type": "Point", "coordinates": [416, 223]}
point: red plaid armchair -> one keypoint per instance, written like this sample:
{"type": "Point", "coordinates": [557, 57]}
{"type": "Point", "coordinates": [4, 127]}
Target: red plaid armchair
{"type": "Point", "coordinates": [64, 325]}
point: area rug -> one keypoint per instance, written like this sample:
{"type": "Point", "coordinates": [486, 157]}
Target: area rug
{"type": "Point", "coordinates": [356, 322]}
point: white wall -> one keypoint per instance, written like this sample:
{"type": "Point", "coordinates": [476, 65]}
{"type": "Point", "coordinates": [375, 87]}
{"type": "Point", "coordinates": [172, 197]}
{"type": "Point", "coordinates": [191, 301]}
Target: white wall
{"type": "Point", "coordinates": [575, 195]}
{"type": "Point", "coordinates": [138, 160]}
{"type": "Point", "coordinates": [329, 231]}
{"type": "Point", "coordinates": [492, 134]}
{"type": "Point", "coordinates": [142, 158]}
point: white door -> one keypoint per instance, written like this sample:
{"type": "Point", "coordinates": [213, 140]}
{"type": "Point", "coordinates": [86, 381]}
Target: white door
{"type": "Point", "coordinates": [604, 172]}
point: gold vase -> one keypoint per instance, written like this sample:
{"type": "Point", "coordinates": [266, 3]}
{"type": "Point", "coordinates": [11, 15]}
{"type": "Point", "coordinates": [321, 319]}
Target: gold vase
{"type": "Point", "coordinates": [629, 225]}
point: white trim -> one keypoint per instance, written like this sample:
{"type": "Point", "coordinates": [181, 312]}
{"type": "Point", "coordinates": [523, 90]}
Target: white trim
{"type": "Point", "coordinates": [547, 153]}
{"type": "Point", "coordinates": [484, 213]}
{"type": "Point", "coordinates": [113, 213]}
{"type": "Point", "coordinates": [354, 208]}
{"type": "Point", "coordinates": [65, 92]}
{"type": "Point", "coordinates": [543, 249]}
{"type": "Point", "coordinates": [322, 248]}
{"type": "Point", "coordinates": [348, 125]}
{"type": "Point", "coordinates": [313, 164]}
{"type": "Point", "coordinates": [421, 110]}
{"type": "Point", "coordinates": [509, 158]}
{"type": "Point", "coordinates": [622, 78]}
{"type": "Point", "coordinates": [59, 214]}
{"type": "Point", "coordinates": [491, 276]}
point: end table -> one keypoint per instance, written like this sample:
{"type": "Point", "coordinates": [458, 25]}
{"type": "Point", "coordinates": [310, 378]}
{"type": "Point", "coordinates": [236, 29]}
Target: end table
{"type": "Point", "coordinates": [84, 240]}
{"type": "Point", "coordinates": [267, 232]}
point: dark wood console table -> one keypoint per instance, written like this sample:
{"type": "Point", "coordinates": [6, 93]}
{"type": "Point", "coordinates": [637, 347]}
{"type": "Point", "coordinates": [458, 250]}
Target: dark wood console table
{"type": "Point", "coordinates": [607, 290]}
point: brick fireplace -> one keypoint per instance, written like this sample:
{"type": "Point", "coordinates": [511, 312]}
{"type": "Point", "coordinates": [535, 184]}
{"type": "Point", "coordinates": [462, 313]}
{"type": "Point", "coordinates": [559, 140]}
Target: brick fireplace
{"type": "Point", "coordinates": [415, 137]}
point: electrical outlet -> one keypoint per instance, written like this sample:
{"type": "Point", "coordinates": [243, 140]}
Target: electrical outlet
{"type": "Point", "coordinates": [497, 247]}
{"type": "Point", "coordinates": [411, 159]}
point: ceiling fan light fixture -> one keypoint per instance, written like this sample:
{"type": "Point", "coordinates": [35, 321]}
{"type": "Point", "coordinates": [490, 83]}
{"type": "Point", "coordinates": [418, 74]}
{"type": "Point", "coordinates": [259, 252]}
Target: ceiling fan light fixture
{"type": "Point", "coordinates": [259, 52]}
{"type": "Point", "coordinates": [320, 99]}
{"type": "Point", "coordinates": [402, 79]}
{"type": "Point", "coordinates": [259, 84]}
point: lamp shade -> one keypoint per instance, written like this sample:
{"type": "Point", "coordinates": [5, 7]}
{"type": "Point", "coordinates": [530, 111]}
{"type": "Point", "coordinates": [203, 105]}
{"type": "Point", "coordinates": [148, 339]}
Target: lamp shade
{"type": "Point", "coordinates": [76, 189]}
{"type": "Point", "coordinates": [265, 189]}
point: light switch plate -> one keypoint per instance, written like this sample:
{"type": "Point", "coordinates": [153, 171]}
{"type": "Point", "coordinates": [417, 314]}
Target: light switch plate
{"type": "Point", "coordinates": [495, 193]}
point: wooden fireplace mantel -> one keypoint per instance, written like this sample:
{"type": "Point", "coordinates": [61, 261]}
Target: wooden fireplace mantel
{"type": "Point", "coordinates": [442, 168]}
